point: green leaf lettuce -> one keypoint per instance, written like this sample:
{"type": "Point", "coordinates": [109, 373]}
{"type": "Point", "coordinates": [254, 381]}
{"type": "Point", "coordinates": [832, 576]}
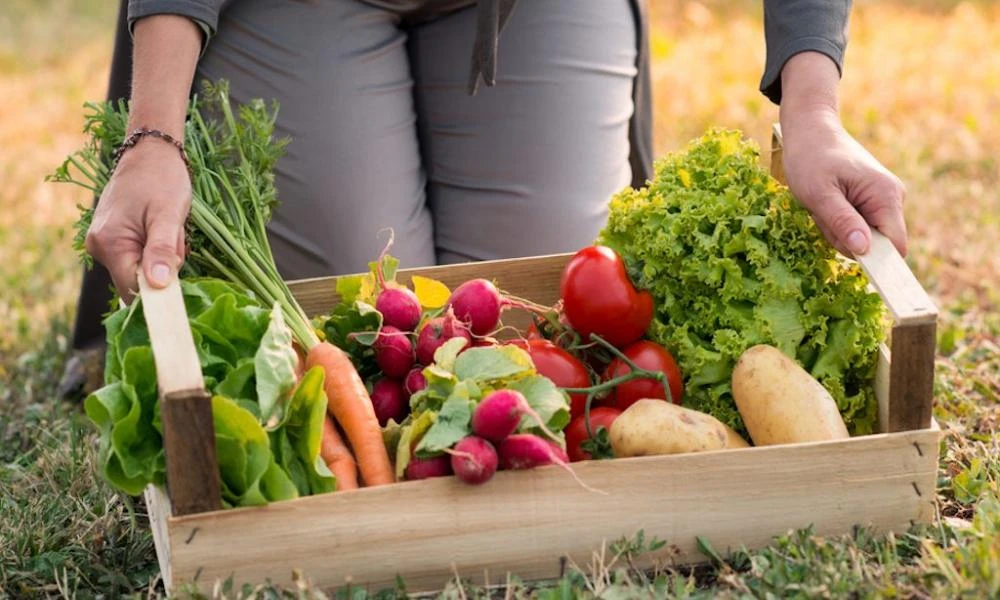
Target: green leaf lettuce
{"type": "Point", "coordinates": [732, 260]}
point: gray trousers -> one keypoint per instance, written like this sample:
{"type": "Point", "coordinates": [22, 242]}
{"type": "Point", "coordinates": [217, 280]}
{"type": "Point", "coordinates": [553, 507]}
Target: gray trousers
{"type": "Point", "coordinates": [385, 135]}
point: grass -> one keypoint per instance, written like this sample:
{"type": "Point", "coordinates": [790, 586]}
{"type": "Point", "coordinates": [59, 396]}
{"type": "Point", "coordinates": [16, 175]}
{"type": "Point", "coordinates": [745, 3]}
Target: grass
{"type": "Point", "coordinates": [929, 111]}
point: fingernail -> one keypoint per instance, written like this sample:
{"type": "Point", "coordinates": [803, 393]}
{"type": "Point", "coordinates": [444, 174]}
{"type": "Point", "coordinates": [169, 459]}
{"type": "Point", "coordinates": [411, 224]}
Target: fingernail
{"type": "Point", "coordinates": [856, 242]}
{"type": "Point", "coordinates": [160, 274]}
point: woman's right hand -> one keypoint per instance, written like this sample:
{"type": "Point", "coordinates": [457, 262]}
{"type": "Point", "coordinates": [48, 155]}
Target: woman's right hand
{"type": "Point", "coordinates": [140, 216]}
{"type": "Point", "coordinates": [139, 219]}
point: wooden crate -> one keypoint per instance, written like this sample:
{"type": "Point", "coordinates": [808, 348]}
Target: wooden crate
{"type": "Point", "coordinates": [530, 522]}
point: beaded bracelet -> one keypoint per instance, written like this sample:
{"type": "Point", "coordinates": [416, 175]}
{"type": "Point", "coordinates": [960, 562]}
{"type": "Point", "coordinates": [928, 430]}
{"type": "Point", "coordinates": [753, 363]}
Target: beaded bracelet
{"type": "Point", "coordinates": [137, 134]}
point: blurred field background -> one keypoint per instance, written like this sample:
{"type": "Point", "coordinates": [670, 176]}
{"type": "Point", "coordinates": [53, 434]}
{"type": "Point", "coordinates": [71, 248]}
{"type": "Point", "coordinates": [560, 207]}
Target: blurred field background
{"type": "Point", "coordinates": [921, 90]}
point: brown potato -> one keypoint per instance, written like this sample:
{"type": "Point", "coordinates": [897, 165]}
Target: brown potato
{"type": "Point", "coordinates": [653, 427]}
{"type": "Point", "coordinates": [780, 402]}
{"type": "Point", "coordinates": [733, 439]}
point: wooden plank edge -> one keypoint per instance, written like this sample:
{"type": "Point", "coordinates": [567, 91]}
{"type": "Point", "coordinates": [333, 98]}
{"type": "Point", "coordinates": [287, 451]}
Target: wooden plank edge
{"type": "Point", "coordinates": [892, 277]}
{"type": "Point", "coordinates": [174, 354]}
{"type": "Point", "coordinates": [534, 277]}
{"type": "Point", "coordinates": [911, 379]}
{"type": "Point", "coordinates": [922, 512]}
{"type": "Point", "coordinates": [485, 266]}
{"type": "Point", "coordinates": [883, 372]}
{"type": "Point", "coordinates": [189, 447]}
{"type": "Point", "coordinates": [158, 509]}
{"type": "Point", "coordinates": [920, 437]}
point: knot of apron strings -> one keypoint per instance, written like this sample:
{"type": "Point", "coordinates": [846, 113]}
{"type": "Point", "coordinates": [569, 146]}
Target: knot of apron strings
{"type": "Point", "coordinates": [491, 17]}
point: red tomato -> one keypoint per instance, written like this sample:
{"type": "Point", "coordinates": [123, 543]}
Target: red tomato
{"type": "Point", "coordinates": [561, 367]}
{"type": "Point", "coordinates": [576, 434]}
{"type": "Point", "coordinates": [599, 297]}
{"type": "Point", "coordinates": [651, 357]}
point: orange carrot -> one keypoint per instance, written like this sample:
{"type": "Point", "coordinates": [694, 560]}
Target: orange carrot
{"type": "Point", "coordinates": [337, 457]}
{"type": "Point", "coordinates": [350, 405]}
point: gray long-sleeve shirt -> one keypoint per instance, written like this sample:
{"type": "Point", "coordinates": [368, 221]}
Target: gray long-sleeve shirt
{"type": "Point", "coordinates": [790, 26]}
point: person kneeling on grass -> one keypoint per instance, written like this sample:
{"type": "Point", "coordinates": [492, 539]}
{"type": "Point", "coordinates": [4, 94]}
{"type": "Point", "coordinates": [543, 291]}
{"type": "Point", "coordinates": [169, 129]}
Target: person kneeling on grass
{"type": "Point", "coordinates": [390, 129]}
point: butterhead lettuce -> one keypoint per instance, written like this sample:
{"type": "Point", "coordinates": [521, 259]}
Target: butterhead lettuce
{"type": "Point", "coordinates": [267, 428]}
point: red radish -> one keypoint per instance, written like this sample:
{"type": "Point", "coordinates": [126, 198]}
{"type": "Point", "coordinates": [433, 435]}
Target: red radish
{"type": "Point", "coordinates": [527, 451]}
{"type": "Point", "coordinates": [500, 412]}
{"type": "Point", "coordinates": [393, 352]}
{"type": "Point", "coordinates": [389, 401]}
{"type": "Point", "coordinates": [424, 468]}
{"type": "Point", "coordinates": [474, 460]}
{"type": "Point", "coordinates": [477, 302]}
{"type": "Point", "coordinates": [415, 380]}
{"type": "Point", "coordinates": [399, 307]}
{"type": "Point", "coordinates": [435, 333]}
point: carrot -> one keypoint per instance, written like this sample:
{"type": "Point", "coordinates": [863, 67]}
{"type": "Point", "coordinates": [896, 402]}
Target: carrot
{"type": "Point", "coordinates": [337, 457]}
{"type": "Point", "coordinates": [350, 405]}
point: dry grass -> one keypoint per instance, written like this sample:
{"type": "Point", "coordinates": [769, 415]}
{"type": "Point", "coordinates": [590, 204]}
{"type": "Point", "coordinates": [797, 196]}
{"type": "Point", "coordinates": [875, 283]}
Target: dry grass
{"type": "Point", "coordinates": [921, 90]}
{"type": "Point", "coordinates": [45, 85]}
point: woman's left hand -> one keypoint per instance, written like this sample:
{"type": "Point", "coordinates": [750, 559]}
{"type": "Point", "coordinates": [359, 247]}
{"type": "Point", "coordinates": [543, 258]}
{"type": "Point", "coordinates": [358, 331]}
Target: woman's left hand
{"type": "Point", "coordinates": [846, 189]}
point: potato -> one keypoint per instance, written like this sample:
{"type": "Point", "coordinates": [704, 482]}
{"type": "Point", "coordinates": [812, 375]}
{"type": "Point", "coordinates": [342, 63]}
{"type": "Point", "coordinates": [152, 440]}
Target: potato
{"type": "Point", "coordinates": [780, 402]}
{"type": "Point", "coordinates": [733, 439]}
{"type": "Point", "coordinates": [652, 427]}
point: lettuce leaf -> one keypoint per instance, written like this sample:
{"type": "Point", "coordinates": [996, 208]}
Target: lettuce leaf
{"type": "Point", "coordinates": [267, 430]}
{"type": "Point", "coordinates": [274, 365]}
{"type": "Point", "coordinates": [303, 429]}
{"type": "Point", "coordinates": [733, 260]}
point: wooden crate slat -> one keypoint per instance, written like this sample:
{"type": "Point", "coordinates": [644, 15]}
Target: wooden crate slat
{"type": "Point", "coordinates": [525, 521]}
{"type": "Point", "coordinates": [535, 278]}
{"type": "Point", "coordinates": [911, 379]}
{"type": "Point", "coordinates": [185, 406]}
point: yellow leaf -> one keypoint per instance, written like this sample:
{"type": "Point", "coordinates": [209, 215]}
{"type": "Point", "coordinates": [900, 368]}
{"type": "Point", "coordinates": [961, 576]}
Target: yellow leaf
{"type": "Point", "coordinates": [367, 293]}
{"type": "Point", "coordinates": [685, 177]}
{"type": "Point", "coordinates": [430, 292]}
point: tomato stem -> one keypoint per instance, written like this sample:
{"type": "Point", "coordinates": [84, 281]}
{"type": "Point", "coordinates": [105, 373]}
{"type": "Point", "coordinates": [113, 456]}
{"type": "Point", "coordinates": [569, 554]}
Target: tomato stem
{"type": "Point", "coordinates": [612, 383]}
{"type": "Point", "coordinates": [636, 372]}
{"type": "Point", "coordinates": [586, 414]}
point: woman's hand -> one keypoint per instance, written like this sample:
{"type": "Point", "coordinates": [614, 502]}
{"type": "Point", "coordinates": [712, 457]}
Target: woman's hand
{"type": "Point", "coordinates": [140, 217]}
{"type": "Point", "coordinates": [844, 187]}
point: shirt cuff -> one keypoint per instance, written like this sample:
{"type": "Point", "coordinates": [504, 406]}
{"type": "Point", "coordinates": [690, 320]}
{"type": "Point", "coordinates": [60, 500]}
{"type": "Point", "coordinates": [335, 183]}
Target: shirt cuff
{"type": "Point", "coordinates": [770, 83]}
{"type": "Point", "coordinates": [205, 16]}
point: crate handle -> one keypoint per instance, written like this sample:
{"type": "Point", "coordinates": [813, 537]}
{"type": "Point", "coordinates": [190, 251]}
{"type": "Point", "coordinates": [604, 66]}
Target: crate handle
{"type": "Point", "coordinates": [185, 406]}
{"type": "Point", "coordinates": [911, 372]}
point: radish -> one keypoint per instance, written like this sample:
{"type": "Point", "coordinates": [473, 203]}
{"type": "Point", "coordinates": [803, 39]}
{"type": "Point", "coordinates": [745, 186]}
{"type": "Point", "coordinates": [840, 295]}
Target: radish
{"type": "Point", "coordinates": [424, 468]}
{"type": "Point", "coordinates": [393, 352]}
{"type": "Point", "coordinates": [527, 451]}
{"type": "Point", "coordinates": [389, 401]}
{"type": "Point", "coordinates": [435, 333]}
{"type": "Point", "coordinates": [399, 307]}
{"type": "Point", "coordinates": [415, 380]}
{"type": "Point", "coordinates": [499, 413]}
{"type": "Point", "coordinates": [474, 460]}
{"type": "Point", "coordinates": [477, 302]}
